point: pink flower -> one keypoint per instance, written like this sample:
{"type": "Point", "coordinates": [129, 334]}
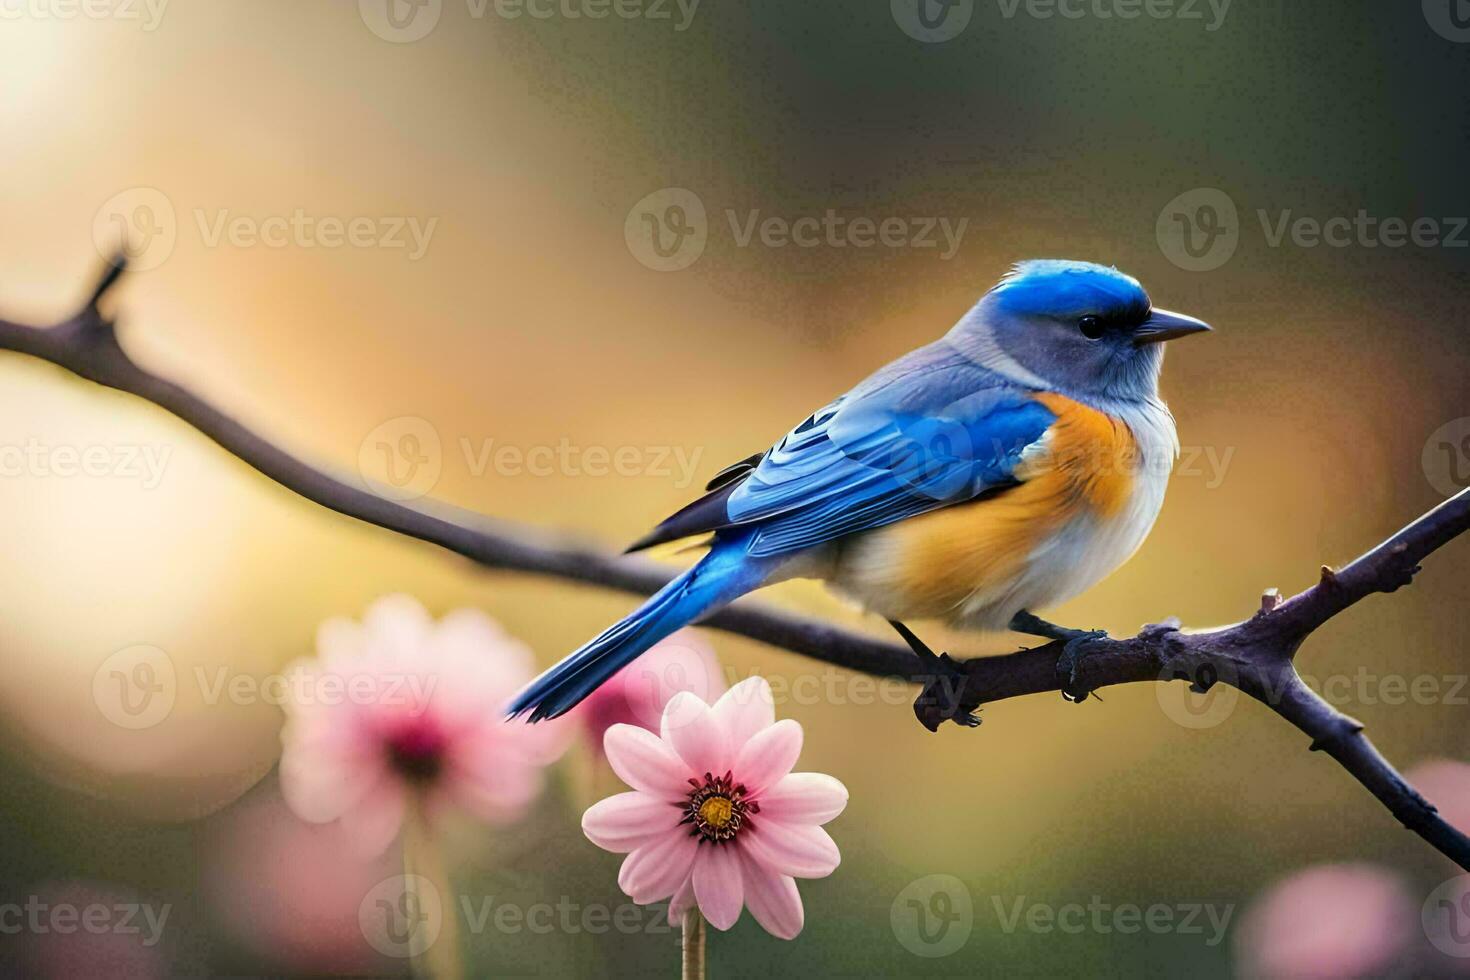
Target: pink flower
{"type": "Point", "coordinates": [637, 694]}
{"type": "Point", "coordinates": [1446, 784]}
{"type": "Point", "coordinates": [716, 817]}
{"type": "Point", "coordinates": [1331, 921]}
{"type": "Point", "coordinates": [400, 710]}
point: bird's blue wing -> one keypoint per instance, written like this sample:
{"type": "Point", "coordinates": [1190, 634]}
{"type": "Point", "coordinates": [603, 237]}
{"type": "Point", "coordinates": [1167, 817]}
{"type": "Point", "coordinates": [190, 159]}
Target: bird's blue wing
{"type": "Point", "coordinates": [866, 465]}
{"type": "Point", "coordinates": [926, 434]}
{"type": "Point", "coordinates": [929, 430]}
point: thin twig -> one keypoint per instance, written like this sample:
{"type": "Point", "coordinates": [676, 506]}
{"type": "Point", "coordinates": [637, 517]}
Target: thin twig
{"type": "Point", "coordinates": [1255, 656]}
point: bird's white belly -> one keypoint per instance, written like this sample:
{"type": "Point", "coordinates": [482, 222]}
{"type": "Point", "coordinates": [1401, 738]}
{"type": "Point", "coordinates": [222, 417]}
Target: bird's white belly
{"type": "Point", "coordinates": [1081, 553]}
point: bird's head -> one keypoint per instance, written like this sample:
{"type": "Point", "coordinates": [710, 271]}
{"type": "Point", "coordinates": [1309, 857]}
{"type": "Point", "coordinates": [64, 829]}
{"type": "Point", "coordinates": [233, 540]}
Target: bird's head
{"type": "Point", "coordinates": [1074, 327]}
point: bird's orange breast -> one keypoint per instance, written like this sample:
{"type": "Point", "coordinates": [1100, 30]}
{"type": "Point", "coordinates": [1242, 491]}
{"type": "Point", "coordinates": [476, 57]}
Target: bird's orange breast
{"type": "Point", "coordinates": [940, 560]}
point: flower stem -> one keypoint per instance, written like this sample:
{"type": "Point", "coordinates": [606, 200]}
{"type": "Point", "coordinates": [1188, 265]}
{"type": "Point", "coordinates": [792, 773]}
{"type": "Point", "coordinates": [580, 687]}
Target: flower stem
{"type": "Point", "coordinates": [428, 880]}
{"type": "Point", "coordinates": [693, 945]}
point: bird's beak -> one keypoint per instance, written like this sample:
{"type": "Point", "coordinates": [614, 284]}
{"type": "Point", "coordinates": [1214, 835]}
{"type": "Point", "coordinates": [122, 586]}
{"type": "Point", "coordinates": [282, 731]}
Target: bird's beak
{"type": "Point", "coordinates": [1162, 325]}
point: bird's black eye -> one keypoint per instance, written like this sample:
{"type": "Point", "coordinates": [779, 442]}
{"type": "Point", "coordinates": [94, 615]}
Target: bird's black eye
{"type": "Point", "coordinates": [1091, 327]}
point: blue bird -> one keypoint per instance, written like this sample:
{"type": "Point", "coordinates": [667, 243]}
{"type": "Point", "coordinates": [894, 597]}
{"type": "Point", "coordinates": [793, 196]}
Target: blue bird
{"type": "Point", "coordinates": [1006, 467]}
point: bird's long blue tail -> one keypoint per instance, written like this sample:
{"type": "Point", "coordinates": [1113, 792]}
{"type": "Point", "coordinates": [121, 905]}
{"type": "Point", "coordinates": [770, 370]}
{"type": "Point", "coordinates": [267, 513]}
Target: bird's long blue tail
{"type": "Point", "coordinates": [722, 575]}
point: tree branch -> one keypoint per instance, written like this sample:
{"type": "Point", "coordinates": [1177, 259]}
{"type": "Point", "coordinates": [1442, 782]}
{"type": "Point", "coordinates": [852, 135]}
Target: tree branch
{"type": "Point", "coordinates": [1255, 656]}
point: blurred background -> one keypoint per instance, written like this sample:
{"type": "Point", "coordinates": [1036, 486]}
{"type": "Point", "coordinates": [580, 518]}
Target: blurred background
{"type": "Point", "coordinates": [476, 253]}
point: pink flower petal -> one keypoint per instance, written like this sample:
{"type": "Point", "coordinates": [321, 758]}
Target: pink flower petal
{"type": "Point", "coordinates": [682, 901]}
{"type": "Point", "coordinates": [772, 898]}
{"type": "Point", "coordinates": [799, 851]}
{"type": "Point", "coordinates": [717, 884]}
{"type": "Point", "coordinates": [768, 756]}
{"type": "Point", "coordinates": [497, 794]}
{"type": "Point", "coordinates": [645, 763]}
{"type": "Point", "coordinates": [323, 785]}
{"type": "Point", "coordinates": [624, 822]}
{"type": "Point", "coordinates": [655, 871]}
{"type": "Point", "coordinates": [374, 822]}
{"type": "Point", "coordinates": [804, 798]}
{"type": "Point", "coordinates": [690, 727]}
{"type": "Point", "coordinates": [745, 709]}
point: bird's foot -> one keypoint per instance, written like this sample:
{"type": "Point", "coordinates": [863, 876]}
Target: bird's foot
{"type": "Point", "coordinates": [945, 683]}
{"type": "Point", "coordinates": [1071, 658]}
{"type": "Point", "coordinates": [946, 696]}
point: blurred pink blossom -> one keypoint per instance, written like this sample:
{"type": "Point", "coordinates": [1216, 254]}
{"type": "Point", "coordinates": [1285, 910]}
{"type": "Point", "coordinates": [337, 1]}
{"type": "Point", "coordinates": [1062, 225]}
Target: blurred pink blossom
{"type": "Point", "coordinates": [77, 928]}
{"type": "Point", "coordinates": [399, 710]}
{"type": "Point", "coordinates": [1336, 921]}
{"type": "Point", "coordinates": [716, 817]}
{"type": "Point", "coordinates": [1446, 784]}
{"type": "Point", "coordinates": [636, 695]}
{"type": "Point", "coordinates": [289, 890]}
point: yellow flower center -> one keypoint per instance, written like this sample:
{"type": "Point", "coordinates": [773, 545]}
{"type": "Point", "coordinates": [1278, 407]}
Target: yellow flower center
{"type": "Point", "coordinates": [718, 807]}
{"type": "Point", "coordinates": [717, 811]}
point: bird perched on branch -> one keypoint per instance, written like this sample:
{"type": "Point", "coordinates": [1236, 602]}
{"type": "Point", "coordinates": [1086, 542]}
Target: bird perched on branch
{"type": "Point", "coordinates": [1006, 467]}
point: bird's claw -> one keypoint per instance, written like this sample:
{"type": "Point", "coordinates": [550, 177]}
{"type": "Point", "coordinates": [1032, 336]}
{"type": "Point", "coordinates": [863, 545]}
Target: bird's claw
{"type": "Point", "coordinates": [946, 698]}
{"type": "Point", "coordinates": [1068, 662]}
